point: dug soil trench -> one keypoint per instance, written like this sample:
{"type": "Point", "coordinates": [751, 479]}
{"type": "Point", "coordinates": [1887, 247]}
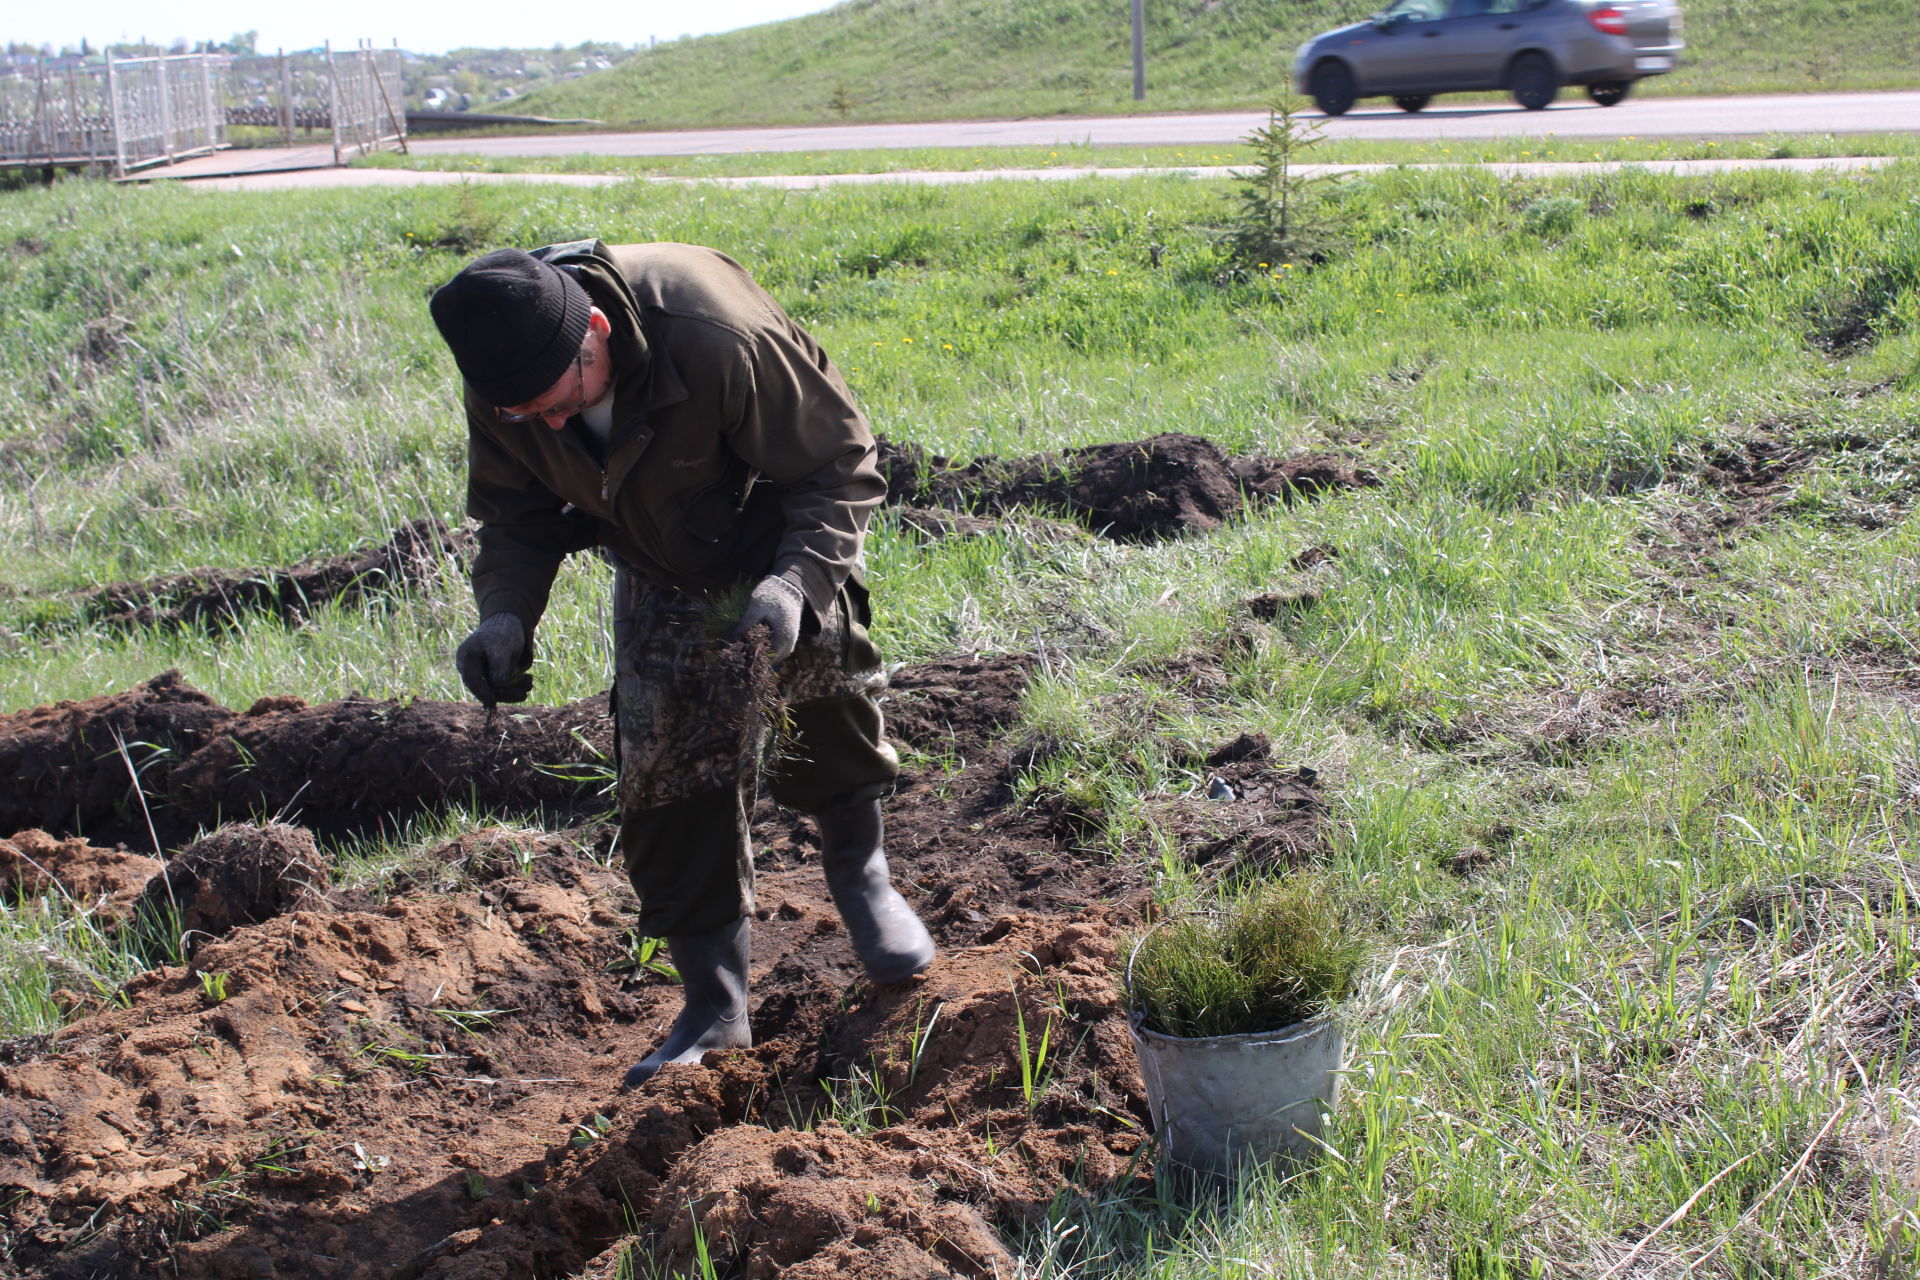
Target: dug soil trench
{"type": "Point", "coordinates": [1138, 490]}
{"type": "Point", "coordinates": [423, 1082]}
{"type": "Point", "coordinates": [357, 765]}
{"type": "Point", "coordinates": [417, 551]}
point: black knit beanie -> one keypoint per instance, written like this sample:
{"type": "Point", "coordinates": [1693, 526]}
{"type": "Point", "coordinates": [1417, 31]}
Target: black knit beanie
{"type": "Point", "coordinates": [514, 324]}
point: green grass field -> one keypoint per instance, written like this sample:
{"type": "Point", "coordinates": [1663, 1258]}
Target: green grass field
{"type": "Point", "coordinates": [1083, 156]}
{"type": "Point", "coordinates": [935, 59]}
{"type": "Point", "coordinates": [1611, 682]}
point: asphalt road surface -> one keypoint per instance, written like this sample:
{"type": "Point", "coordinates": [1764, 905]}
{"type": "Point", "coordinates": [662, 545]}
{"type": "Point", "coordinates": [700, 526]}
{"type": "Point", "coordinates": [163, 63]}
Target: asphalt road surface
{"type": "Point", "coordinates": [1572, 117]}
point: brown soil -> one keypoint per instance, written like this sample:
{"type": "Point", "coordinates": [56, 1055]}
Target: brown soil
{"type": "Point", "coordinates": [417, 551]}
{"type": "Point", "coordinates": [422, 1082]}
{"type": "Point", "coordinates": [1134, 491]}
{"type": "Point", "coordinates": [1281, 604]}
{"type": "Point", "coordinates": [240, 874]}
{"type": "Point", "coordinates": [1267, 817]}
{"type": "Point", "coordinates": [106, 881]}
{"type": "Point", "coordinates": [351, 766]}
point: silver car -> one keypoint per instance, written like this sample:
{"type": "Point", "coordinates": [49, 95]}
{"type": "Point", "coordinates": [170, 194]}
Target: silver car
{"type": "Point", "coordinates": [1416, 48]}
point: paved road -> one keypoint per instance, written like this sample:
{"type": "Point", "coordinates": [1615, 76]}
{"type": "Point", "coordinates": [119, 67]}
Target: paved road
{"type": "Point", "coordinates": [1574, 117]}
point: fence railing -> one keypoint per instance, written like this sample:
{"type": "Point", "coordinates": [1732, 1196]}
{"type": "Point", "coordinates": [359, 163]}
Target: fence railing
{"type": "Point", "coordinates": [124, 112]}
{"type": "Point", "coordinates": [163, 109]}
{"type": "Point", "coordinates": [369, 106]}
{"type": "Point", "coordinates": [130, 113]}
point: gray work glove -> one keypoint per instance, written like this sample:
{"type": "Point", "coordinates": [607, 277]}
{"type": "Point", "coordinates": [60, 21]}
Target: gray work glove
{"type": "Point", "coordinates": [494, 662]}
{"type": "Point", "coordinates": [777, 602]}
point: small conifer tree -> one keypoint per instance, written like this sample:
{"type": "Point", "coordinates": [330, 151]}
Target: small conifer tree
{"type": "Point", "coordinates": [1279, 217]}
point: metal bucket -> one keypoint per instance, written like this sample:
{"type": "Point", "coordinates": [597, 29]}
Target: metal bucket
{"type": "Point", "coordinates": [1219, 1101]}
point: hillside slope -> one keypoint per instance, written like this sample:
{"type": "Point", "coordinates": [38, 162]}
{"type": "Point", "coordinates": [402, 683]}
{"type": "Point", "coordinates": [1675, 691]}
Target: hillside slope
{"type": "Point", "coordinates": [928, 59]}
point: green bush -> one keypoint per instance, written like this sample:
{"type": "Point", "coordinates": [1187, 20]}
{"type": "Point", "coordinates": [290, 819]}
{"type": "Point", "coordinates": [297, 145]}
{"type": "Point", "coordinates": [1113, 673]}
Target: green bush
{"type": "Point", "coordinates": [1553, 215]}
{"type": "Point", "coordinates": [1284, 953]}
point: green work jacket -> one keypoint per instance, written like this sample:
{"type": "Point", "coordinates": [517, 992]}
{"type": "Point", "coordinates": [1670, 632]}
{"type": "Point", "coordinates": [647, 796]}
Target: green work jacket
{"type": "Point", "coordinates": [736, 449]}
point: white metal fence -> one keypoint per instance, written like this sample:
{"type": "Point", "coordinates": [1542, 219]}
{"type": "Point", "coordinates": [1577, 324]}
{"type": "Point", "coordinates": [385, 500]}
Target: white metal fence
{"type": "Point", "coordinates": [129, 113]}
{"type": "Point", "coordinates": [58, 114]}
{"type": "Point", "coordinates": [368, 104]}
{"type": "Point", "coordinates": [163, 109]}
{"type": "Point", "coordinates": [124, 112]}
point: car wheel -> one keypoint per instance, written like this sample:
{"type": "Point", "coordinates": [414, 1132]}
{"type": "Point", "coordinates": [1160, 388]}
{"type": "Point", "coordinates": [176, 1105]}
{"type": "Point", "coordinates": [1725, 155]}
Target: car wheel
{"type": "Point", "coordinates": [1411, 102]}
{"type": "Point", "coordinates": [1534, 81]}
{"type": "Point", "coordinates": [1611, 93]}
{"type": "Point", "coordinates": [1333, 88]}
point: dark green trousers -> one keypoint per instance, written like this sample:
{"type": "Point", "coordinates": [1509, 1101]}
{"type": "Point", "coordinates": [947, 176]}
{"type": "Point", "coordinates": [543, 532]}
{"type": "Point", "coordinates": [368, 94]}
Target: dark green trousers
{"type": "Point", "coordinates": [693, 744]}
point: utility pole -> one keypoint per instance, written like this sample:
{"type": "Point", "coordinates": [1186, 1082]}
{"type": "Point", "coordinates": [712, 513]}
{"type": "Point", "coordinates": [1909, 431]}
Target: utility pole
{"type": "Point", "coordinates": [1139, 50]}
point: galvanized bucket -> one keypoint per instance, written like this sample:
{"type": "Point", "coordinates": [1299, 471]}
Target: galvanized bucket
{"type": "Point", "coordinates": [1222, 1101]}
{"type": "Point", "coordinates": [1219, 1101]}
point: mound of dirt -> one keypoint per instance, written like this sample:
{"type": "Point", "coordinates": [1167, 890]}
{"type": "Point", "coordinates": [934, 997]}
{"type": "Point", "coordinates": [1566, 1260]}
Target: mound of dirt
{"type": "Point", "coordinates": [360, 1066]}
{"type": "Point", "coordinates": [426, 1086]}
{"type": "Point", "coordinates": [357, 765]}
{"type": "Point", "coordinates": [956, 702]}
{"type": "Point", "coordinates": [106, 881]}
{"type": "Point", "coordinates": [852, 1141]}
{"type": "Point", "coordinates": [351, 766]}
{"type": "Point", "coordinates": [1274, 605]}
{"type": "Point", "coordinates": [1135, 491]}
{"type": "Point", "coordinates": [417, 551]}
{"type": "Point", "coordinates": [72, 766]}
{"type": "Point", "coordinates": [822, 1204]}
{"type": "Point", "coordinates": [241, 874]}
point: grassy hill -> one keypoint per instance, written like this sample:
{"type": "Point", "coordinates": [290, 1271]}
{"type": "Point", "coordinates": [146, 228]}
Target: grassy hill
{"type": "Point", "coordinates": [1608, 688]}
{"type": "Point", "coordinates": [928, 59]}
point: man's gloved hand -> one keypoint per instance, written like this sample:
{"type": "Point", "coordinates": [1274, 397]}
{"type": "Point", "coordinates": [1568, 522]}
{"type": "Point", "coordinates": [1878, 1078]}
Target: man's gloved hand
{"type": "Point", "coordinates": [777, 602]}
{"type": "Point", "coordinates": [494, 662]}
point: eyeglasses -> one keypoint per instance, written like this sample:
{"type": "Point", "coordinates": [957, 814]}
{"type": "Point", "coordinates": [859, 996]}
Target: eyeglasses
{"type": "Point", "coordinates": [580, 374]}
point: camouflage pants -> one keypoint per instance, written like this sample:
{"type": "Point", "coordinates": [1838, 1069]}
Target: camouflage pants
{"type": "Point", "coordinates": [693, 744]}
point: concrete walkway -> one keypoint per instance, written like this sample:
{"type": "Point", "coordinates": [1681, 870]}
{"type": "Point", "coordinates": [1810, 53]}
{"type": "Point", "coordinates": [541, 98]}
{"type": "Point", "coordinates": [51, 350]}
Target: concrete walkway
{"type": "Point", "coordinates": [314, 179]}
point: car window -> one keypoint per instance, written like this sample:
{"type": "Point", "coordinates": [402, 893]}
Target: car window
{"type": "Point", "coordinates": [1415, 10]}
{"type": "Point", "coordinates": [1474, 8]}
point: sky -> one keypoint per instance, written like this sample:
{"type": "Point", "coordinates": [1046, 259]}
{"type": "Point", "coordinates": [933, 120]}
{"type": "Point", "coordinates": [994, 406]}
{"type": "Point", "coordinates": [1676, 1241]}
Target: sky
{"type": "Point", "coordinates": [424, 26]}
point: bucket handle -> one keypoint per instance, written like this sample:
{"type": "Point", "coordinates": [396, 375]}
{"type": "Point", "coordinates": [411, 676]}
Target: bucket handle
{"type": "Point", "coordinates": [1141, 941]}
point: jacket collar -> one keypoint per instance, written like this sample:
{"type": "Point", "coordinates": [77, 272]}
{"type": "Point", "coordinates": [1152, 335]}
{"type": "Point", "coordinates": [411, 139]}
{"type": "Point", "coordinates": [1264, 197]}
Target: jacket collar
{"type": "Point", "coordinates": [645, 379]}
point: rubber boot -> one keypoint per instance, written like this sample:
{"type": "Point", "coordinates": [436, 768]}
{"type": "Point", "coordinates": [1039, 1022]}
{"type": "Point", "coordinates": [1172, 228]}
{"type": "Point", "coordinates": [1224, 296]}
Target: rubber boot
{"type": "Point", "coordinates": [713, 980]}
{"type": "Point", "coordinates": [889, 939]}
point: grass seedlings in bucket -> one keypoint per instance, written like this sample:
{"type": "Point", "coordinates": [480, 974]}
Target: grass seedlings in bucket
{"type": "Point", "coordinates": [1231, 1018]}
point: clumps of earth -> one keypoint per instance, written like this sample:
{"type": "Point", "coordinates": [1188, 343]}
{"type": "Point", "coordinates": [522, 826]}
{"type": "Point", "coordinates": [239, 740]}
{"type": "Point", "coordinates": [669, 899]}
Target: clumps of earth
{"type": "Point", "coordinates": [210, 598]}
{"type": "Point", "coordinates": [1137, 491]}
{"type": "Point", "coordinates": [418, 1078]}
{"type": "Point", "coordinates": [356, 765]}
